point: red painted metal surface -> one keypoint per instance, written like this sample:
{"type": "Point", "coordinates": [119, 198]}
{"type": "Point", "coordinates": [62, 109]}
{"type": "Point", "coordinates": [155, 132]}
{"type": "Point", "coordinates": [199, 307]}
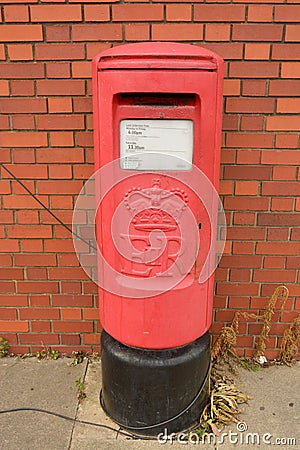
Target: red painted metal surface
{"type": "Point", "coordinates": [157, 81]}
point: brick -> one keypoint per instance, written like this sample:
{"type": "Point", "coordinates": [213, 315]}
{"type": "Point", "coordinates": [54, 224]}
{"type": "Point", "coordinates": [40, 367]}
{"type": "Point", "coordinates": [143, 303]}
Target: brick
{"type": "Point", "coordinates": [72, 327]}
{"type": "Point", "coordinates": [61, 139]}
{"type": "Point", "coordinates": [59, 105]}
{"type": "Point", "coordinates": [40, 327]}
{"type": "Point", "coordinates": [23, 122]}
{"type": "Point", "coordinates": [84, 139]}
{"type": "Point", "coordinates": [72, 300]}
{"type": "Point", "coordinates": [13, 300]}
{"type": "Point", "coordinates": [2, 52]}
{"type": "Point", "coordinates": [249, 32]}
{"type": "Point", "coordinates": [284, 173]}
{"type": "Point", "coordinates": [249, 140]}
{"type": "Point", "coordinates": [16, 13]}
{"type": "Point", "coordinates": [4, 88]}
{"type": "Point", "coordinates": [42, 339]}
{"type": "Point", "coordinates": [274, 262]}
{"type": "Point", "coordinates": [11, 273]}
{"type": "Point", "coordinates": [217, 32]}
{"type": "Point", "coordinates": [20, 52]}
{"type": "Point", "coordinates": [69, 339]}
{"type": "Point", "coordinates": [282, 123]}
{"type": "Point", "coordinates": [283, 88]}
{"type": "Point", "coordinates": [21, 33]}
{"type": "Point", "coordinates": [246, 203]}
{"type": "Point", "coordinates": [278, 234]}
{"type": "Point", "coordinates": [231, 87]}
{"type": "Point", "coordinates": [250, 105]}
{"type": "Point", "coordinates": [32, 245]}
{"type": "Point", "coordinates": [83, 104]}
{"type": "Point", "coordinates": [280, 188]}
{"type": "Point", "coordinates": [247, 233]}
{"type": "Point", "coordinates": [26, 217]}
{"type": "Point", "coordinates": [228, 50]}
{"type": "Point", "coordinates": [64, 52]}
{"type": "Point", "coordinates": [39, 313]}
{"type": "Point", "coordinates": [225, 187]}
{"type": "Point", "coordinates": [134, 13]}
{"type": "Point", "coordinates": [40, 300]}
{"type": "Point", "coordinates": [24, 231]}
{"type": "Point", "coordinates": [4, 123]}
{"type": "Point", "coordinates": [179, 13]}
{"type": "Point", "coordinates": [60, 122]}
{"type": "Point", "coordinates": [237, 289]}
{"type": "Point", "coordinates": [241, 218]}
{"type": "Point", "coordinates": [38, 287]}
{"type": "Point", "coordinates": [292, 33]}
{"type": "Point", "coordinates": [92, 49]}
{"type": "Point", "coordinates": [22, 105]}
{"type": "Point", "coordinates": [23, 139]}
{"type": "Point", "coordinates": [60, 155]}
{"type": "Point", "coordinates": [290, 70]}
{"type": "Point", "coordinates": [286, 52]}
{"type": "Point", "coordinates": [230, 122]}
{"type": "Point", "coordinates": [26, 171]}
{"type": "Point", "coordinates": [33, 260]}
{"type": "Point", "coordinates": [57, 33]}
{"type": "Point", "coordinates": [82, 69]}
{"type": "Point", "coordinates": [241, 262]}
{"type": "Point", "coordinates": [293, 262]}
{"type": "Point", "coordinates": [220, 13]}
{"type": "Point", "coordinates": [260, 13]}
{"type": "Point", "coordinates": [254, 88]}
{"type": "Point", "coordinates": [133, 32]}
{"type": "Point", "coordinates": [71, 314]}
{"type": "Point", "coordinates": [278, 248]}
{"type": "Point", "coordinates": [58, 70]}
{"type": "Point", "coordinates": [286, 13]}
{"type": "Point", "coordinates": [60, 87]}
{"type": "Point", "coordinates": [282, 219]}
{"type": "Point", "coordinates": [24, 156]}
{"type": "Point", "coordinates": [252, 123]}
{"type": "Point", "coordinates": [96, 13]}
{"type": "Point", "coordinates": [288, 105]}
{"type": "Point", "coordinates": [12, 325]}
{"type": "Point", "coordinates": [257, 51]}
{"type": "Point", "coordinates": [99, 32]}
{"type": "Point", "coordinates": [55, 13]}
{"type": "Point", "coordinates": [21, 87]}
{"type": "Point", "coordinates": [253, 69]}
{"type": "Point", "coordinates": [177, 32]}
{"type": "Point", "coordinates": [246, 188]}
{"type": "Point", "coordinates": [58, 187]}
{"type": "Point", "coordinates": [9, 245]}
{"type": "Point", "coordinates": [22, 70]}
{"type": "Point", "coordinates": [286, 140]}
{"type": "Point", "coordinates": [71, 287]}
{"type": "Point", "coordinates": [282, 204]}
{"type": "Point", "coordinates": [62, 202]}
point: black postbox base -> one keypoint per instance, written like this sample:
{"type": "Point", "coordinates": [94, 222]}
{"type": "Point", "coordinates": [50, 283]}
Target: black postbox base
{"type": "Point", "coordinates": [152, 391]}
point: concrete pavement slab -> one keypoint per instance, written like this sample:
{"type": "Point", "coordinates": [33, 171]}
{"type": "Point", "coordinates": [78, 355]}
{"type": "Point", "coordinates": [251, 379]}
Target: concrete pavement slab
{"type": "Point", "coordinates": [45, 384]}
{"type": "Point", "coordinates": [270, 419]}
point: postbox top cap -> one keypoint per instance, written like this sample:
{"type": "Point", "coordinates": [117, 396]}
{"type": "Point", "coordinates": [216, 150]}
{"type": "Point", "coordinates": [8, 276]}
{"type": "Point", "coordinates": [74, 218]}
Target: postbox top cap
{"type": "Point", "coordinates": [146, 51]}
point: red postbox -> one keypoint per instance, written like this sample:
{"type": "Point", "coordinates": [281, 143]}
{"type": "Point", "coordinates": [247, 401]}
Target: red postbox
{"type": "Point", "coordinates": [157, 112]}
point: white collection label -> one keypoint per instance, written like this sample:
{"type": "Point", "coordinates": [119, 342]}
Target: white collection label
{"type": "Point", "coordinates": [168, 137]}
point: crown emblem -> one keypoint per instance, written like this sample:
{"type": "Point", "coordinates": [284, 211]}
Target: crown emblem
{"type": "Point", "coordinates": [155, 208]}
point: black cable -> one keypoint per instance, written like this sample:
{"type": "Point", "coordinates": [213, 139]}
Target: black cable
{"type": "Point", "coordinates": [46, 208]}
{"type": "Point", "coordinates": [62, 416]}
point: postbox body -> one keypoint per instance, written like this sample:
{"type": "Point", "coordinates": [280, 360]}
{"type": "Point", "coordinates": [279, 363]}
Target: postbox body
{"type": "Point", "coordinates": [156, 97]}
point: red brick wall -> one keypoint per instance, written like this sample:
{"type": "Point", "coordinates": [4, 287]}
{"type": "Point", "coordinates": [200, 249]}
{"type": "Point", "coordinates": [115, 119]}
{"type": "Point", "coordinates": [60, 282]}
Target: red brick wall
{"type": "Point", "coordinates": [45, 86]}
